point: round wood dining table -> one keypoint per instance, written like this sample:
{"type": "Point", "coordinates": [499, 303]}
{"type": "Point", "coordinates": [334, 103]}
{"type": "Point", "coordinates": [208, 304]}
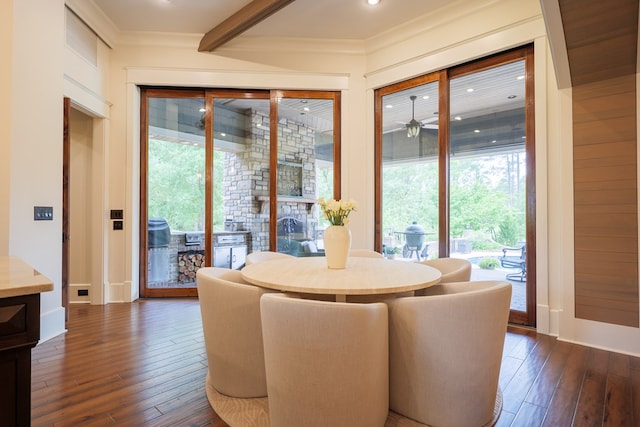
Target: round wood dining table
{"type": "Point", "coordinates": [362, 276]}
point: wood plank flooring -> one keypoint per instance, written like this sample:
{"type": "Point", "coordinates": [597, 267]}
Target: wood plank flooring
{"type": "Point", "coordinates": [144, 364]}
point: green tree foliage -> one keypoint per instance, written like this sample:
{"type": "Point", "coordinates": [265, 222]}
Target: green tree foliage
{"type": "Point", "coordinates": [410, 193]}
{"type": "Point", "coordinates": [486, 198]}
{"type": "Point", "coordinates": [176, 183]}
{"type": "Point", "coordinates": [475, 207]}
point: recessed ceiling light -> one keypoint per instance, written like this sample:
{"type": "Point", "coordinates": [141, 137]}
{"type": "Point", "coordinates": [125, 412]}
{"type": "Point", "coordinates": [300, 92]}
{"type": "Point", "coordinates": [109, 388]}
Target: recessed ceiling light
{"type": "Point", "coordinates": [520, 77]}
{"type": "Point", "coordinates": [202, 110]}
{"type": "Point", "coordinates": [470, 89]}
{"type": "Point", "coordinates": [388, 106]}
{"type": "Point", "coordinates": [373, 2]}
{"type": "Point", "coordinates": [476, 130]}
{"type": "Point", "coordinates": [306, 108]}
{"type": "Point", "coordinates": [511, 97]}
{"type": "Point", "coordinates": [457, 118]}
{"type": "Point", "coordinates": [425, 97]}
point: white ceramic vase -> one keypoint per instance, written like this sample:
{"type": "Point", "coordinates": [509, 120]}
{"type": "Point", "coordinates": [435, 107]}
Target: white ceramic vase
{"type": "Point", "coordinates": [337, 242]}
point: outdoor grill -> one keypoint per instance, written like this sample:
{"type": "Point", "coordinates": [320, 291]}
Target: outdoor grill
{"type": "Point", "coordinates": [229, 250]}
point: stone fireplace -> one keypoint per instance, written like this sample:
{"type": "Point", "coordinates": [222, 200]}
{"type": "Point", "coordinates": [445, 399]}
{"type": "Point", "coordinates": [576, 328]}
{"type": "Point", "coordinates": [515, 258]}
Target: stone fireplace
{"type": "Point", "coordinates": [246, 181]}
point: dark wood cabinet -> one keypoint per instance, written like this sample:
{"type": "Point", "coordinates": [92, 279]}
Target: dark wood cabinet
{"type": "Point", "coordinates": [19, 333]}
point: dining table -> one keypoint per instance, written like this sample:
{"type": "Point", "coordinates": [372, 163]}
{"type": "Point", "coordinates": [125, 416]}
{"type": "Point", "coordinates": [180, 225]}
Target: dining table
{"type": "Point", "coordinates": [361, 276]}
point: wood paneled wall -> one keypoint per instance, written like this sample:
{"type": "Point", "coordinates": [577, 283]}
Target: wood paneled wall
{"type": "Point", "coordinates": [601, 45]}
{"type": "Point", "coordinates": [605, 199]}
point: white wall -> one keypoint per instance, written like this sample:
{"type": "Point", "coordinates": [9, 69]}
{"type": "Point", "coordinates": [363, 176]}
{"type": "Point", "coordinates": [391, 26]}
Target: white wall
{"type": "Point", "coordinates": [248, 63]}
{"type": "Point", "coordinates": [6, 81]}
{"type": "Point", "coordinates": [441, 40]}
{"type": "Point", "coordinates": [80, 205]}
{"type": "Point", "coordinates": [431, 43]}
{"type": "Point", "coordinates": [86, 83]}
{"type": "Point", "coordinates": [36, 146]}
{"type": "Point", "coordinates": [135, 64]}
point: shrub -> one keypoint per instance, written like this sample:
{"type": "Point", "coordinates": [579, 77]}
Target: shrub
{"type": "Point", "coordinates": [488, 263]}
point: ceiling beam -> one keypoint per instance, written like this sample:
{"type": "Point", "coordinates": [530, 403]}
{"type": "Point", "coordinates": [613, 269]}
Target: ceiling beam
{"type": "Point", "coordinates": [239, 22]}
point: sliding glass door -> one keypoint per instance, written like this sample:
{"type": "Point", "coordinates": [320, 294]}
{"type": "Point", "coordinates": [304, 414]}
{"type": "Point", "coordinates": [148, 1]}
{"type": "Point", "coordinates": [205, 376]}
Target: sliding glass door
{"type": "Point", "coordinates": [455, 155]}
{"type": "Point", "coordinates": [228, 172]}
{"type": "Point", "coordinates": [306, 169]}
{"type": "Point", "coordinates": [488, 174]}
{"type": "Point", "coordinates": [409, 172]}
{"type": "Point", "coordinates": [174, 188]}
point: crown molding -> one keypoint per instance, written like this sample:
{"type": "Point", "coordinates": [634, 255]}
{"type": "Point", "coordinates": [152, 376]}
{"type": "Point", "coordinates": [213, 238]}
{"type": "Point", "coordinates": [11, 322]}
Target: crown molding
{"type": "Point", "coordinates": [295, 45]}
{"type": "Point", "coordinates": [243, 43]}
{"type": "Point", "coordinates": [157, 39]}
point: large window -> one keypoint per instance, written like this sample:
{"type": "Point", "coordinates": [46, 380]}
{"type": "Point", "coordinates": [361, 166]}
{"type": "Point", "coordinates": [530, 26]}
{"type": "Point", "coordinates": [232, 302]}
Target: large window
{"type": "Point", "coordinates": [456, 172]}
{"type": "Point", "coordinates": [229, 172]}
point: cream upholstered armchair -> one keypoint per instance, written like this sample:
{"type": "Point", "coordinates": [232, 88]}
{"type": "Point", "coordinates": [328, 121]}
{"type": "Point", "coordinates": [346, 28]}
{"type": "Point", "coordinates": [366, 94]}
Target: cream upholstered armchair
{"type": "Point", "coordinates": [327, 362]}
{"type": "Point", "coordinates": [231, 324]}
{"type": "Point", "coordinates": [445, 351]}
{"type": "Point", "coordinates": [452, 269]}
{"type": "Point", "coordinates": [261, 256]}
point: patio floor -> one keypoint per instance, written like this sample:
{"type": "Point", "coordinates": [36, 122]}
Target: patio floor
{"type": "Point", "coordinates": [518, 295]}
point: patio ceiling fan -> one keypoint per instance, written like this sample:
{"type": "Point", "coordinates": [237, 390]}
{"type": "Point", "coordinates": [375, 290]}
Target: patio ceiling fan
{"type": "Point", "coordinates": [414, 126]}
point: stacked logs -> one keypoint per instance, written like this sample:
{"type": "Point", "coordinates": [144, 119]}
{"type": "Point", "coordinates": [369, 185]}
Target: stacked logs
{"type": "Point", "coordinates": [188, 264]}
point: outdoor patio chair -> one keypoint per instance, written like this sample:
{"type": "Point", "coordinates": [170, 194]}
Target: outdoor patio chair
{"type": "Point", "coordinates": [515, 258]}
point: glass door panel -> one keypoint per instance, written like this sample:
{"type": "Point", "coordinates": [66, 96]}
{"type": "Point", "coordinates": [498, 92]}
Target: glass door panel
{"type": "Point", "coordinates": [210, 167]}
{"type": "Point", "coordinates": [305, 163]}
{"type": "Point", "coordinates": [488, 174]}
{"type": "Point", "coordinates": [175, 192]}
{"type": "Point", "coordinates": [409, 183]}
{"type": "Point", "coordinates": [241, 173]}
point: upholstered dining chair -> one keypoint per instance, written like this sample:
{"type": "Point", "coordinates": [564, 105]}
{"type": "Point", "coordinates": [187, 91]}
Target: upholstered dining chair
{"type": "Point", "coordinates": [261, 256]}
{"type": "Point", "coordinates": [326, 362]}
{"type": "Point", "coordinates": [365, 253]}
{"type": "Point", "coordinates": [452, 269]}
{"type": "Point", "coordinates": [445, 351]}
{"type": "Point", "coordinates": [230, 309]}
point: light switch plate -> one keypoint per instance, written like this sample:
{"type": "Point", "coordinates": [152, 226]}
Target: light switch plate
{"type": "Point", "coordinates": [43, 213]}
{"type": "Point", "coordinates": [116, 214]}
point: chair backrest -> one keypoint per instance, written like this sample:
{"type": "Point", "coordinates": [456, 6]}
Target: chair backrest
{"type": "Point", "coordinates": [445, 351]}
{"type": "Point", "coordinates": [327, 362]}
{"type": "Point", "coordinates": [230, 309]}
{"type": "Point", "coordinates": [452, 269]}
{"type": "Point", "coordinates": [365, 253]}
{"type": "Point", "coordinates": [261, 256]}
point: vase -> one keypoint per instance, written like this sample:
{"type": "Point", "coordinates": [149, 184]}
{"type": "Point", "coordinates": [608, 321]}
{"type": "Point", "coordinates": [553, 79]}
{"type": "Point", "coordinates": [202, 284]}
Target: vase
{"type": "Point", "coordinates": [337, 242]}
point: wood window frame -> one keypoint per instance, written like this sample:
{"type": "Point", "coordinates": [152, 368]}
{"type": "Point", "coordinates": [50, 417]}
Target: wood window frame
{"type": "Point", "coordinates": [525, 53]}
{"type": "Point", "coordinates": [208, 94]}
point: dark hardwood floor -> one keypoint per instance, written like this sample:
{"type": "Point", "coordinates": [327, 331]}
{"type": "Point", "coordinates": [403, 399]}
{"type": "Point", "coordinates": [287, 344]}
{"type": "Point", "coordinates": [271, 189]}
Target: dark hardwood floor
{"type": "Point", "coordinates": [144, 364]}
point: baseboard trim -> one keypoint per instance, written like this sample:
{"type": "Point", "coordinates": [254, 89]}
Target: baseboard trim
{"type": "Point", "coordinates": [52, 324]}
